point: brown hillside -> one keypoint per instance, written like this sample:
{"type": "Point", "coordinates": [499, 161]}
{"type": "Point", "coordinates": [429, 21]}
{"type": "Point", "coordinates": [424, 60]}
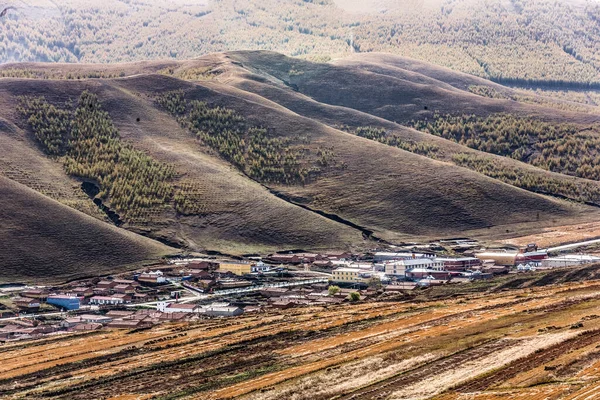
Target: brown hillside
{"type": "Point", "coordinates": [390, 87]}
{"type": "Point", "coordinates": [369, 187]}
{"type": "Point", "coordinates": [238, 215]}
{"type": "Point", "coordinates": [387, 190]}
{"type": "Point", "coordinates": [48, 241]}
{"type": "Point", "coordinates": [336, 116]}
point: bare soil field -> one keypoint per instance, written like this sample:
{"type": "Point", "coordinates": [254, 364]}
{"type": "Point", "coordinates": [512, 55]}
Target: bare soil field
{"type": "Point", "coordinates": [496, 343]}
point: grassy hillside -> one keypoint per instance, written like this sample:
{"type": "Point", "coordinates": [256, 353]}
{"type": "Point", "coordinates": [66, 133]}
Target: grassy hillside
{"type": "Point", "coordinates": [231, 213]}
{"type": "Point", "coordinates": [257, 152]}
{"type": "Point", "coordinates": [384, 189]}
{"type": "Point", "coordinates": [43, 240]}
{"type": "Point", "coordinates": [402, 76]}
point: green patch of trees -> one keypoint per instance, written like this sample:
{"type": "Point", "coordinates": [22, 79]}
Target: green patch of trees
{"type": "Point", "coordinates": [89, 146]}
{"type": "Point", "coordinates": [382, 136]}
{"type": "Point", "coordinates": [559, 148]}
{"type": "Point", "coordinates": [582, 191]}
{"type": "Point", "coordinates": [252, 149]}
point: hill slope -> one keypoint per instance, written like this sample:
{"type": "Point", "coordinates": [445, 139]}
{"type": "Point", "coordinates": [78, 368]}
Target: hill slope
{"type": "Point", "coordinates": [260, 152]}
{"type": "Point", "coordinates": [43, 240]}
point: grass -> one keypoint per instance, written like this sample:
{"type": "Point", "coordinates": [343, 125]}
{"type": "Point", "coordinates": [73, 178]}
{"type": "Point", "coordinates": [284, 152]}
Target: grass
{"type": "Point", "coordinates": [228, 193]}
{"type": "Point", "coordinates": [56, 243]}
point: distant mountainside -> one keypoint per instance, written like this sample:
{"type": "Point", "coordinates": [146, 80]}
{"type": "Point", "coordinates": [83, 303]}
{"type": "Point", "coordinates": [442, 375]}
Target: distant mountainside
{"type": "Point", "coordinates": [525, 42]}
{"type": "Point", "coordinates": [253, 152]}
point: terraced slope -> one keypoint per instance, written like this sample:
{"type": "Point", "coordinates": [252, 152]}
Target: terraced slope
{"type": "Point", "coordinates": [44, 240]}
{"type": "Point", "coordinates": [480, 345]}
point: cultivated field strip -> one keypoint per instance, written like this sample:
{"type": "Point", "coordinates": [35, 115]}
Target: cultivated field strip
{"type": "Point", "coordinates": [271, 356]}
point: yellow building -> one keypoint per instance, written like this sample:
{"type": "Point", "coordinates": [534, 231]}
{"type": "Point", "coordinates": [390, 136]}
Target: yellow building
{"type": "Point", "coordinates": [349, 275]}
{"type": "Point", "coordinates": [236, 268]}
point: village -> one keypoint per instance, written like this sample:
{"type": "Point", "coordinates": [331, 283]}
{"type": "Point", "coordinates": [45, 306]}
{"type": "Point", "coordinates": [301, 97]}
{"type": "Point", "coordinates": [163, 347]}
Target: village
{"type": "Point", "coordinates": [196, 288]}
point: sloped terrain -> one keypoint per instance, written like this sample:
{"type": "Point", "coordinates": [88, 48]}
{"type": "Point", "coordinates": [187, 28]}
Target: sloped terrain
{"type": "Point", "coordinates": [487, 343]}
{"type": "Point", "coordinates": [43, 240]}
{"type": "Point", "coordinates": [303, 177]}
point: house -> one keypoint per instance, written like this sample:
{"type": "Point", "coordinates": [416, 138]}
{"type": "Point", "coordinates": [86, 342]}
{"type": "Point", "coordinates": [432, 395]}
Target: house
{"type": "Point", "coordinates": [322, 264]}
{"type": "Point", "coordinates": [102, 300]}
{"type": "Point", "coordinates": [140, 297]}
{"type": "Point", "coordinates": [126, 282]}
{"type": "Point", "coordinates": [273, 292]}
{"type": "Point", "coordinates": [35, 294]}
{"type": "Point", "coordinates": [499, 257]}
{"type": "Point", "coordinates": [70, 322]}
{"type": "Point", "coordinates": [172, 316]}
{"type": "Point", "coordinates": [260, 267]}
{"type": "Point", "coordinates": [402, 267]}
{"type": "Point", "coordinates": [152, 278]}
{"type": "Point", "coordinates": [163, 306]}
{"type": "Point", "coordinates": [200, 275]}
{"type": "Point", "coordinates": [308, 257]}
{"type": "Point", "coordinates": [82, 292]}
{"type": "Point", "coordinates": [87, 327]}
{"type": "Point", "coordinates": [460, 264]}
{"type": "Point", "coordinates": [390, 256]}
{"type": "Point", "coordinates": [569, 260]}
{"type": "Point", "coordinates": [283, 304]}
{"type": "Point", "coordinates": [124, 289]}
{"type": "Point", "coordinates": [129, 324]}
{"type": "Point", "coordinates": [350, 275]}
{"type": "Point", "coordinates": [284, 258]}
{"type": "Point", "coordinates": [206, 284]}
{"type": "Point", "coordinates": [66, 302]}
{"type": "Point", "coordinates": [98, 319]}
{"type": "Point", "coordinates": [25, 303]}
{"type": "Point", "coordinates": [400, 286]}
{"type": "Point", "coordinates": [338, 255]}
{"type": "Point", "coordinates": [202, 265]}
{"type": "Point", "coordinates": [101, 291]}
{"type": "Point", "coordinates": [105, 284]}
{"type": "Point", "coordinates": [116, 314]}
{"type": "Point", "coordinates": [421, 273]}
{"type": "Point", "coordinates": [236, 268]}
{"type": "Point", "coordinates": [329, 300]}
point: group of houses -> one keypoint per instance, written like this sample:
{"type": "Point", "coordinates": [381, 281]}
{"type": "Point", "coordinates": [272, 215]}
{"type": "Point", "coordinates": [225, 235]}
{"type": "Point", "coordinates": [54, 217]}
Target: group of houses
{"type": "Point", "coordinates": [422, 269]}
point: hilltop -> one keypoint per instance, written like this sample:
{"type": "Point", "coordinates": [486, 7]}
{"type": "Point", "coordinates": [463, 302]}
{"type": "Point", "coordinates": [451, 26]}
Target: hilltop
{"type": "Point", "coordinates": [254, 152]}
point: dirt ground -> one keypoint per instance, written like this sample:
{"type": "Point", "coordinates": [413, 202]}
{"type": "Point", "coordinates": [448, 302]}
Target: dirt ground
{"type": "Point", "coordinates": [517, 343]}
{"type": "Point", "coordinates": [558, 235]}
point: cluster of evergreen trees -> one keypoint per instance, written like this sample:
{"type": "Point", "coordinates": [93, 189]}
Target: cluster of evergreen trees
{"type": "Point", "coordinates": [250, 148]}
{"type": "Point", "coordinates": [555, 147]}
{"type": "Point", "coordinates": [380, 135]}
{"type": "Point", "coordinates": [580, 191]}
{"type": "Point", "coordinates": [50, 125]}
{"type": "Point", "coordinates": [89, 146]}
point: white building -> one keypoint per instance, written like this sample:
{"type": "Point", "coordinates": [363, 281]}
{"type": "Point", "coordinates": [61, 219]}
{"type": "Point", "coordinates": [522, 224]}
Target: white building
{"type": "Point", "coordinates": [166, 307]}
{"type": "Point", "coordinates": [569, 260]}
{"type": "Point", "coordinates": [260, 267]}
{"type": "Point", "coordinates": [106, 300]}
{"type": "Point", "coordinates": [389, 256]}
{"type": "Point", "coordinates": [400, 267]}
{"type": "Point", "coordinates": [221, 311]}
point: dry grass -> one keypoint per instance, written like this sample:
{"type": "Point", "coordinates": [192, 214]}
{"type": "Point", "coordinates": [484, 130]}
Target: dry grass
{"type": "Point", "coordinates": [314, 353]}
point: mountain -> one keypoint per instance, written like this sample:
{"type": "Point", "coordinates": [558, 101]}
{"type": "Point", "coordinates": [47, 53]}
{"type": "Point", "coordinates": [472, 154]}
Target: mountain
{"type": "Point", "coordinates": [537, 41]}
{"type": "Point", "coordinates": [252, 152]}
